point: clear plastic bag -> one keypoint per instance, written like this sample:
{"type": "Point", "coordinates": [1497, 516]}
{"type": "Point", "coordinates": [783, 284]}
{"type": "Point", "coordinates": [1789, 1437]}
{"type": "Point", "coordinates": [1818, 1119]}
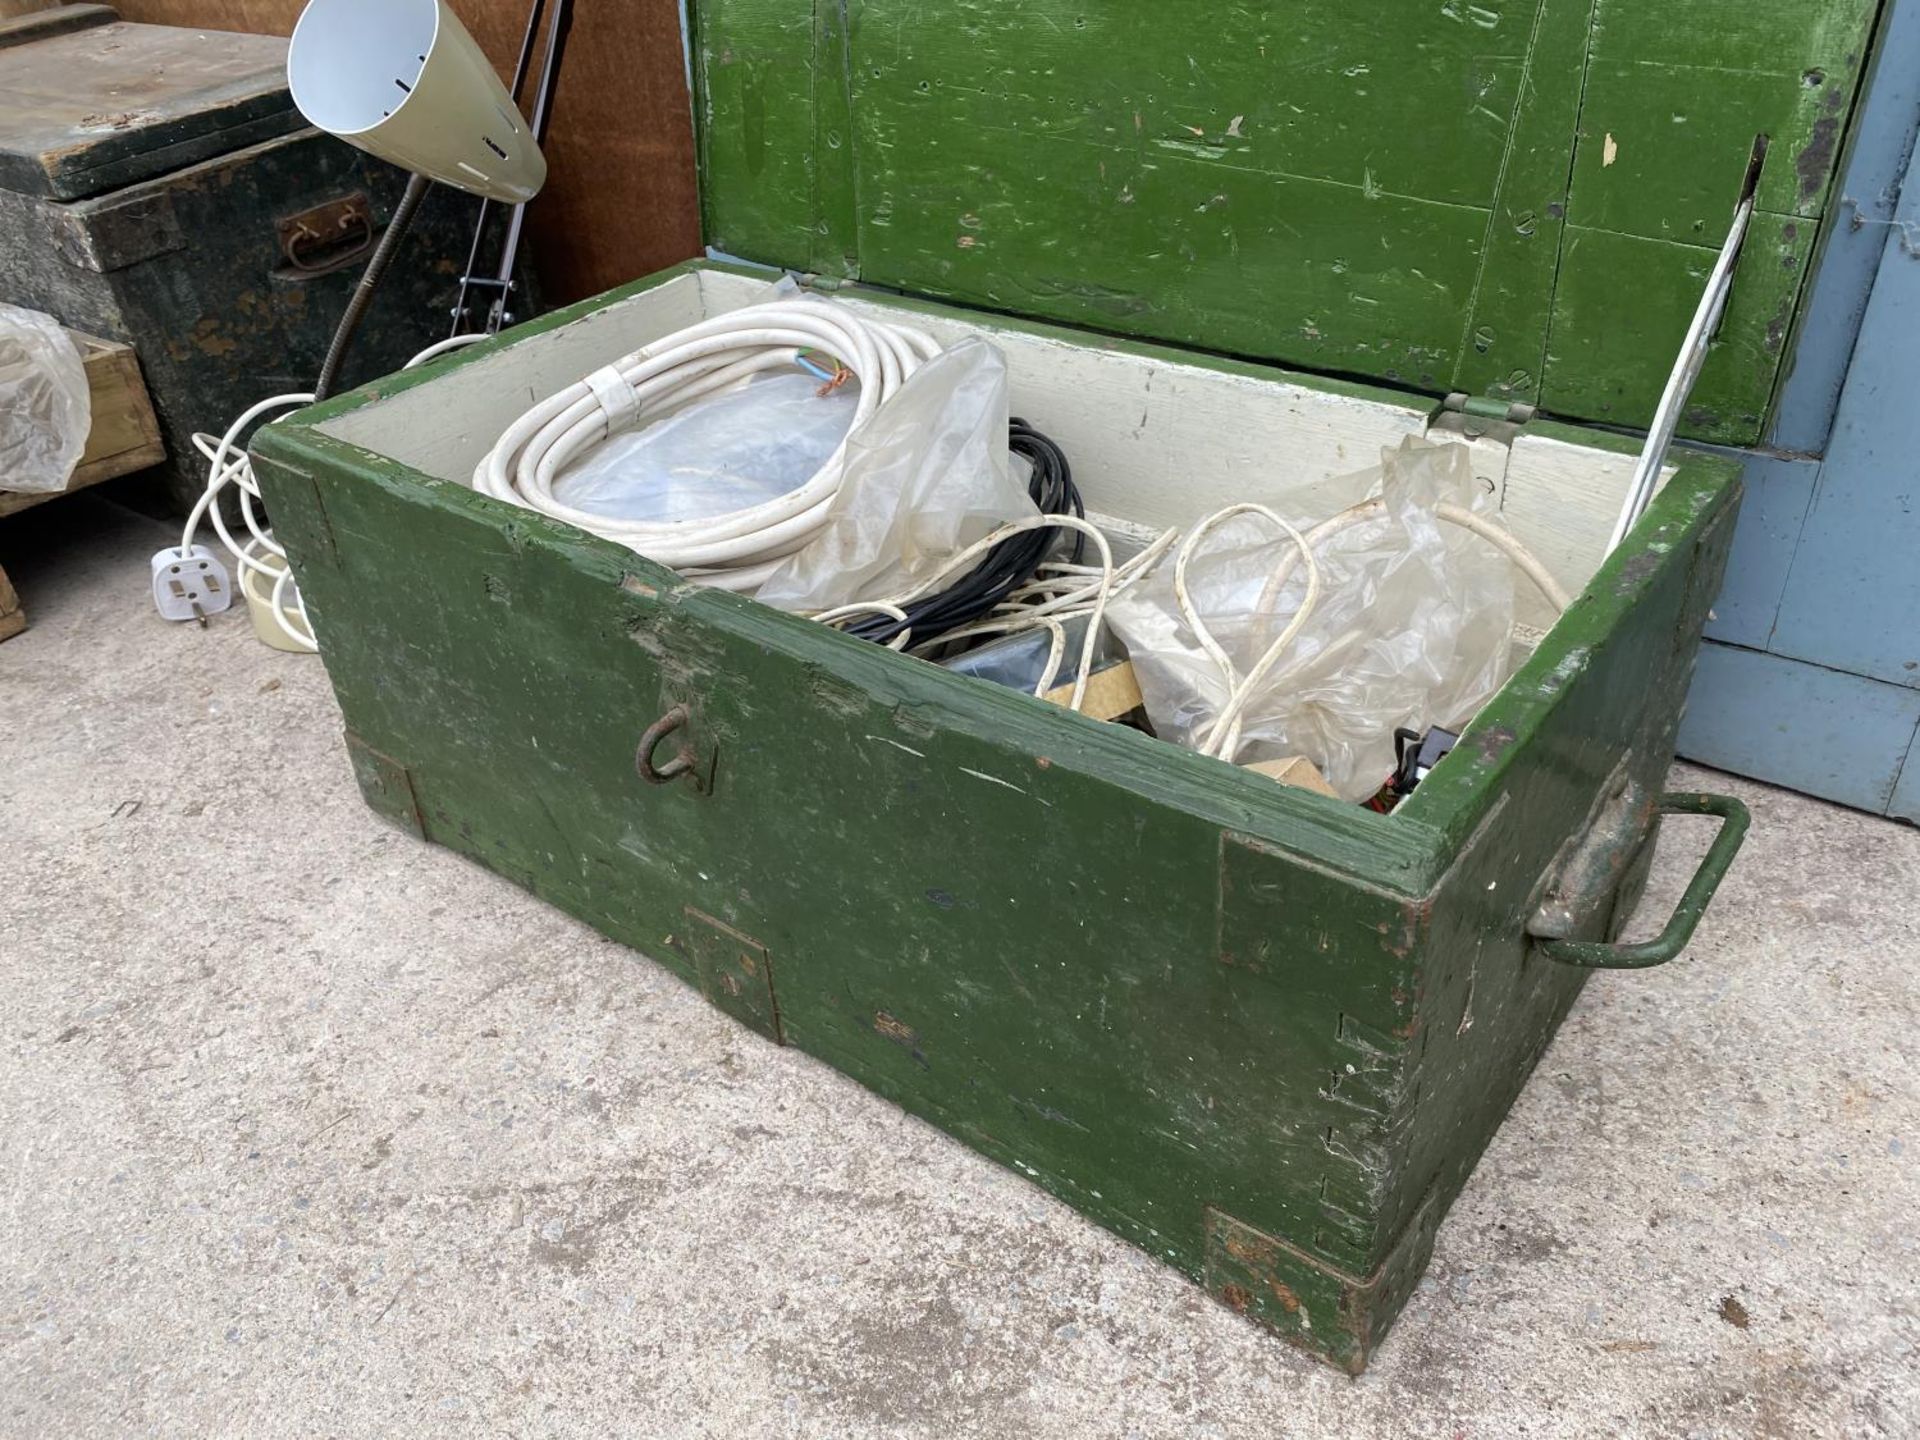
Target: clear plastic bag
{"type": "Point", "coordinates": [730, 451]}
{"type": "Point", "coordinates": [1414, 625]}
{"type": "Point", "coordinates": [45, 409]}
{"type": "Point", "coordinates": [927, 475]}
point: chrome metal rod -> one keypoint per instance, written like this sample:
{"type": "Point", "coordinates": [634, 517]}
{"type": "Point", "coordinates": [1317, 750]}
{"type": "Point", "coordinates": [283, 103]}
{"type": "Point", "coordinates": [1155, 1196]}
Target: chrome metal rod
{"type": "Point", "coordinates": [1693, 356]}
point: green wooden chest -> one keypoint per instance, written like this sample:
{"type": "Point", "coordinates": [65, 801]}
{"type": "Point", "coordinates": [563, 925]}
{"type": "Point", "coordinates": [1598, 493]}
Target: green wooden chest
{"type": "Point", "coordinates": [158, 187]}
{"type": "Point", "coordinates": [1263, 1034]}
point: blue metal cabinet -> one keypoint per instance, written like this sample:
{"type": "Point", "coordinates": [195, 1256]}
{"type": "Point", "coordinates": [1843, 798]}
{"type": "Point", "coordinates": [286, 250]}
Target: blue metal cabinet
{"type": "Point", "coordinates": [1853, 592]}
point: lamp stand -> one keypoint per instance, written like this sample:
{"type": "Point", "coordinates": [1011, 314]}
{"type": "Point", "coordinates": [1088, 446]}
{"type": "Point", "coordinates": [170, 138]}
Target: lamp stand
{"type": "Point", "coordinates": [370, 278]}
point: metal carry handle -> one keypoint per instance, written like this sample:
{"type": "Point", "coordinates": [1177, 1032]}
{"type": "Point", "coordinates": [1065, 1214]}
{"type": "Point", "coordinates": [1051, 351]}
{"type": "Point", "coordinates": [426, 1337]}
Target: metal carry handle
{"type": "Point", "coordinates": [312, 254]}
{"type": "Point", "coordinates": [1598, 955]}
{"type": "Point", "coordinates": [327, 237]}
{"type": "Point", "coordinates": [682, 764]}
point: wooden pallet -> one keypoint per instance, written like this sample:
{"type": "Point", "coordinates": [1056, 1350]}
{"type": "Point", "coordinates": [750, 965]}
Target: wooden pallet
{"type": "Point", "coordinates": [125, 437]}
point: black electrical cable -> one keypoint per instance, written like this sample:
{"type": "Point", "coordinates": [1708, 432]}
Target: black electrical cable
{"type": "Point", "coordinates": [1004, 568]}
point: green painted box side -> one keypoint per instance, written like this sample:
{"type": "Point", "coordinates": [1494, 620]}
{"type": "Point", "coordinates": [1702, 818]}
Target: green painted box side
{"type": "Point", "coordinates": [1202, 1009]}
{"type": "Point", "coordinates": [1571, 731]}
{"type": "Point", "coordinates": [1585, 722]}
{"type": "Point", "coordinates": [1439, 195]}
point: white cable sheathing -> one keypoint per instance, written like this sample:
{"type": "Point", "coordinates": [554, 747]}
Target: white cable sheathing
{"type": "Point", "coordinates": [735, 551]}
{"type": "Point", "coordinates": [1496, 535]}
{"type": "Point", "coordinates": [1223, 738]}
{"type": "Point", "coordinates": [228, 464]}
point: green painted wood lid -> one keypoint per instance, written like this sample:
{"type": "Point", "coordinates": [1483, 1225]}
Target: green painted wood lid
{"type": "Point", "coordinates": [1515, 198]}
{"type": "Point", "coordinates": [93, 109]}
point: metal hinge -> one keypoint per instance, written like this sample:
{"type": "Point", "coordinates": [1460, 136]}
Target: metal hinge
{"type": "Point", "coordinates": [1479, 417]}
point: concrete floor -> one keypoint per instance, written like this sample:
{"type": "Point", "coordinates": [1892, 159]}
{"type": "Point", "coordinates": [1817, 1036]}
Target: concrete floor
{"type": "Point", "coordinates": [310, 1129]}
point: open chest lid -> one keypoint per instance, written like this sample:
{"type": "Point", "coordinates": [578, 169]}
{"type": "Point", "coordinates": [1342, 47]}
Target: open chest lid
{"type": "Point", "coordinates": [1518, 199]}
{"type": "Point", "coordinates": [90, 107]}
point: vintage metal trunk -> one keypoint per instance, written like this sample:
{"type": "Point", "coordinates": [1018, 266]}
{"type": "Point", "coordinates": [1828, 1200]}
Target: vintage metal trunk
{"type": "Point", "coordinates": [1261, 1033]}
{"type": "Point", "coordinates": [157, 187]}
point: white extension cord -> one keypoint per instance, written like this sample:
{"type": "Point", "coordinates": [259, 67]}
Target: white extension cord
{"type": "Point", "coordinates": [738, 550]}
{"type": "Point", "coordinates": [735, 551]}
{"type": "Point", "coordinates": [1223, 737]}
{"type": "Point", "coordinates": [190, 581]}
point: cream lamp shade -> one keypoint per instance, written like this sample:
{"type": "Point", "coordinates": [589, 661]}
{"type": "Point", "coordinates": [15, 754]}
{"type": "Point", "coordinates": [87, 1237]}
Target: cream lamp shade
{"type": "Point", "coordinates": [402, 79]}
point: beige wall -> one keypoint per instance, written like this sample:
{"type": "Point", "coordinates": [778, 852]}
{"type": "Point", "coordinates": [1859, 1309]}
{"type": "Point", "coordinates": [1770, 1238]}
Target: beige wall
{"type": "Point", "coordinates": [621, 199]}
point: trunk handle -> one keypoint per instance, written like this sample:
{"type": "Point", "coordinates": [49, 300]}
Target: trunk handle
{"type": "Point", "coordinates": [1598, 955]}
{"type": "Point", "coordinates": [666, 774]}
{"type": "Point", "coordinates": [685, 765]}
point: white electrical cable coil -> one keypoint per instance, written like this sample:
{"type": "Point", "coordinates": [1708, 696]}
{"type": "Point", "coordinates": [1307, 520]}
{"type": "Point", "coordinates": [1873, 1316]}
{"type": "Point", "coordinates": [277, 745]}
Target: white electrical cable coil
{"type": "Point", "coordinates": [734, 551]}
{"type": "Point", "coordinates": [1222, 739]}
{"type": "Point", "coordinates": [1501, 539]}
{"type": "Point", "coordinates": [228, 464]}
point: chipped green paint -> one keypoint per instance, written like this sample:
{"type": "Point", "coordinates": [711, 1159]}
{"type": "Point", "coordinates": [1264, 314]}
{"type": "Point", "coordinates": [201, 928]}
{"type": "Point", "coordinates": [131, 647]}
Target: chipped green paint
{"type": "Point", "coordinates": [1436, 193]}
{"type": "Point", "coordinates": [1262, 1034]}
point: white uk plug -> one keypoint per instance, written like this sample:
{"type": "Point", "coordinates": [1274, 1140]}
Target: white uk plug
{"type": "Point", "coordinates": [190, 584]}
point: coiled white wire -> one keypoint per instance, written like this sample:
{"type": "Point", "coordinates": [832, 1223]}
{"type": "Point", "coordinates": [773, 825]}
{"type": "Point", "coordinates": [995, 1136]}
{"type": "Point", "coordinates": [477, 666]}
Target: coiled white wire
{"type": "Point", "coordinates": [738, 550]}
{"type": "Point", "coordinates": [1222, 738]}
{"type": "Point", "coordinates": [227, 464]}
